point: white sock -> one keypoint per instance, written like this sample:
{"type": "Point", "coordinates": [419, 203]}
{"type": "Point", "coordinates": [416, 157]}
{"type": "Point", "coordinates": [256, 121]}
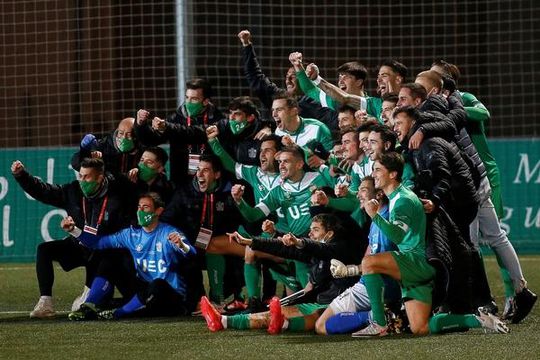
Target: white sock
{"type": "Point", "coordinates": [285, 324]}
{"type": "Point", "coordinates": [224, 321]}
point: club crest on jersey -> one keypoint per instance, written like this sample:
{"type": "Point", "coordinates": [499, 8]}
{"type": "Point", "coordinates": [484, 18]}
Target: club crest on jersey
{"type": "Point", "coordinates": [138, 248]}
{"type": "Point", "coordinates": [252, 153]}
{"type": "Point", "coordinates": [158, 247]}
{"type": "Point", "coordinates": [288, 195]}
{"type": "Point", "coordinates": [220, 206]}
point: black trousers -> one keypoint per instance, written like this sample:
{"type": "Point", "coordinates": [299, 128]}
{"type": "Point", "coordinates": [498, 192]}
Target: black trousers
{"type": "Point", "coordinates": [159, 297]}
{"type": "Point", "coordinates": [70, 255]}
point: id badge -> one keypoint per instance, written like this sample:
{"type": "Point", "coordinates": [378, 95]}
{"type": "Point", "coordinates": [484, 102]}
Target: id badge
{"type": "Point", "coordinates": [90, 230]}
{"type": "Point", "coordinates": [203, 238]}
{"type": "Point", "coordinates": [193, 163]}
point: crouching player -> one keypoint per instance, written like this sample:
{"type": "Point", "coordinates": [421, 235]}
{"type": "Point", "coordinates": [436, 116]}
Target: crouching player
{"type": "Point", "coordinates": [406, 227]}
{"type": "Point", "coordinates": [154, 285]}
{"type": "Point", "coordinates": [327, 239]}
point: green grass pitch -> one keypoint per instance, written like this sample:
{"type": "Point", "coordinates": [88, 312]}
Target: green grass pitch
{"type": "Point", "coordinates": [188, 338]}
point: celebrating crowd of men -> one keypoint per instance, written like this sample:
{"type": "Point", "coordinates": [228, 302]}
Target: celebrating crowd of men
{"type": "Point", "coordinates": [368, 210]}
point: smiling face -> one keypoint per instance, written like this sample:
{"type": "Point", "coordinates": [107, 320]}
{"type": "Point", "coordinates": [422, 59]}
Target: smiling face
{"type": "Point", "coordinates": [291, 84]}
{"type": "Point", "coordinates": [290, 167]}
{"type": "Point", "coordinates": [345, 119]}
{"type": "Point", "coordinates": [386, 78]}
{"type": "Point", "coordinates": [363, 137]}
{"type": "Point", "coordinates": [349, 83]}
{"type": "Point", "coordinates": [284, 115]}
{"type": "Point", "coordinates": [317, 232]}
{"type": "Point", "coordinates": [366, 192]}
{"type": "Point", "coordinates": [383, 177]}
{"type": "Point", "coordinates": [206, 176]}
{"type": "Point", "coordinates": [267, 156]}
{"type": "Point", "coordinates": [349, 145]}
{"type": "Point", "coordinates": [376, 145]}
{"type": "Point", "coordinates": [402, 125]}
{"type": "Point", "coordinates": [386, 113]}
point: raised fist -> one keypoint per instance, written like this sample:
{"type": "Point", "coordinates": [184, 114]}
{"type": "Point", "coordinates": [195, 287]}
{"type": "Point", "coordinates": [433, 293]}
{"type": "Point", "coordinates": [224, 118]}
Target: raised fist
{"type": "Point", "coordinates": [245, 37]}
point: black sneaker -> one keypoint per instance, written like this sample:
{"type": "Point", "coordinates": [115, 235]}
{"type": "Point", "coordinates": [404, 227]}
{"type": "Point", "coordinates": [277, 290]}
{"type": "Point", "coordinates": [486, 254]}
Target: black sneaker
{"type": "Point", "coordinates": [491, 307]}
{"type": "Point", "coordinates": [87, 311]}
{"type": "Point", "coordinates": [524, 302]}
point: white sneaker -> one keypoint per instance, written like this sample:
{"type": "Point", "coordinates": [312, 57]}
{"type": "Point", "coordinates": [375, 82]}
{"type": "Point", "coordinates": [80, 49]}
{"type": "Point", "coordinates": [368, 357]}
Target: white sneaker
{"type": "Point", "coordinates": [490, 322]}
{"type": "Point", "coordinates": [44, 308]}
{"type": "Point", "coordinates": [81, 299]}
{"type": "Point", "coordinates": [372, 330]}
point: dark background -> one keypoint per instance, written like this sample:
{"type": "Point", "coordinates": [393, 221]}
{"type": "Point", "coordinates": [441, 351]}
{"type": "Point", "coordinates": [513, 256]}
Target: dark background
{"type": "Point", "coordinates": [72, 67]}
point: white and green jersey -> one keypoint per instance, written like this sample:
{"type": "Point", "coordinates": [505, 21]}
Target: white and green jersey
{"type": "Point", "coordinates": [309, 132]}
{"type": "Point", "coordinates": [359, 171]}
{"type": "Point", "coordinates": [261, 182]}
{"type": "Point", "coordinates": [294, 199]}
{"type": "Point", "coordinates": [406, 226]}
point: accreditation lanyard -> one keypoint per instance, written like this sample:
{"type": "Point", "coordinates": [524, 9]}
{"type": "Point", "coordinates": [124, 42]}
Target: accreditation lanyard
{"type": "Point", "coordinates": [203, 215]}
{"type": "Point", "coordinates": [205, 233]}
{"type": "Point", "coordinates": [87, 227]}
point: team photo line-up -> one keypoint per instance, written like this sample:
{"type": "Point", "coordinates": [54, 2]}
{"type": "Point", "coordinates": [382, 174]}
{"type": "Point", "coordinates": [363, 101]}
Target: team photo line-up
{"type": "Point", "coordinates": [368, 210]}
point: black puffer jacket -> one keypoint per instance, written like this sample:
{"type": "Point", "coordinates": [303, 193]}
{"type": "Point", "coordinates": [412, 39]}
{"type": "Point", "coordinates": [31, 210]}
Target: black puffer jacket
{"type": "Point", "coordinates": [265, 90]}
{"type": "Point", "coordinates": [182, 137]}
{"type": "Point", "coordinates": [443, 175]}
{"type": "Point", "coordinates": [453, 110]}
{"type": "Point", "coordinates": [120, 208]}
{"type": "Point", "coordinates": [116, 162]}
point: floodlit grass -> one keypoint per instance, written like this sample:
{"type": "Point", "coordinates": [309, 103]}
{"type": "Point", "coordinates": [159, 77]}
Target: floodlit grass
{"type": "Point", "coordinates": [188, 338]}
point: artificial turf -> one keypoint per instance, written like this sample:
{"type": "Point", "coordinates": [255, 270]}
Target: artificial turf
{"type": "Point", "coordinates": [188, 338]}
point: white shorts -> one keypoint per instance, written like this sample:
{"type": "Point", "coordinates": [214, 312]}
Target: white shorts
{"type": "Point", "coordinates": [354, 299]}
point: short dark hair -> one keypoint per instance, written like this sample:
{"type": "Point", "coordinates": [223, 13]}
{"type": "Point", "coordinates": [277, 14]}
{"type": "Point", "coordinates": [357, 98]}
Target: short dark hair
{"type": "Point", "coordinates": [417, 90]}
{"type": "Point", "coordinates": [392, 161]}
{"type": "Point", "coordinates": [244, 104]}
{"type": "Point", "coordinates": [348, 129]}
{"type": "Point", "coordinates": [355, 69]}
{"type": "Point", "coordinates": [346, 108]}
{"type": "Point", "coordinates": [276, 139]}
{"type": "Point", "coordinates": [396, 66]}
{"type": "Point", "coordinates": [161, 154]}
{"type": "Point", "coordinates": [367, 125]}
{"type": "Point", "coordinates": [390, 97]}
{"type": "Point", "coordinates": [93, 163]}
{"type": "Point", "coordinates": [158, 202]}
{"type": "Point", "coordinates": [330, 222]}
{"type": "Point", "coordinates": [295, 150]}
{"type": "Point", "coordinates": [387, 135]}
{"type": "Point", "coordinates": [214, 160]}
{"type": "Point", "coordinates": [450, 69]}
{"type": "Point", "coordinates": [198, 83]}
{"type": "Point", "coordinates": [411, 111]}
{"type": "Point", "coordinates": [291, 101]}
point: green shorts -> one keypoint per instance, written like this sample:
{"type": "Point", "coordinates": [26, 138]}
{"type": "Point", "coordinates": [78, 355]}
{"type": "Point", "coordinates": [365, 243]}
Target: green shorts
{"type": "Point", "coordinates": [416, 276]}
{"type": "Point", "coordinates": [310, 308]}
{"type": "Point", "coordinates": [286, 276]}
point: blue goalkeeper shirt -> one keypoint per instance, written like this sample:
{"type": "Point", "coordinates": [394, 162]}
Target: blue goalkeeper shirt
{"type": "Point", "coordinates": [155, 256]}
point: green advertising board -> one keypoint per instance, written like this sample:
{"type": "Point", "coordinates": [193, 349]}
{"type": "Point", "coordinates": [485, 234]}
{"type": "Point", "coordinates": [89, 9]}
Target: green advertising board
{"type": "Point", "coordinates": [26, 222]}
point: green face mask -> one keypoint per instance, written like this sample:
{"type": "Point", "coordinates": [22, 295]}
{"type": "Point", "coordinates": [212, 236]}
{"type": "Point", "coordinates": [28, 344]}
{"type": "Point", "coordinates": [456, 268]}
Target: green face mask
{"type": "Point", "coordinates": [194, 108]}
{"type": "Point", "coordinates": [145, 218]}
{"type": "Point", "coordinates": [146, 173]}
{"type": "Point", "coordinates": [238, 126]}
{"type": "Point", "coordinates": [88, 188]}
{"type": "Point", "coordinates": [125, 144]}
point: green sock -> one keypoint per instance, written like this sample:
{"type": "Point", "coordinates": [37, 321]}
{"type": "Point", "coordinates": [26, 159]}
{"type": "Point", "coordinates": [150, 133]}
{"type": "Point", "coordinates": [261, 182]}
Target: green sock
{"type": "Point", "coordinates": [451, 322]}
{"type": "Point", "coordinates": [215, 266]}
{"type": "Point", "coordinates": [301, 271]}
{"type": "Point", "coordinates": [239, 322]}
{"type": "Point", "coordinates": [297, 323]}
{"type": "Point", "coordinates": [252, 276]}
{"type": "Point", "coordinates": [375, 287]}
{"type": "Point", "coordinates": [509, 290]}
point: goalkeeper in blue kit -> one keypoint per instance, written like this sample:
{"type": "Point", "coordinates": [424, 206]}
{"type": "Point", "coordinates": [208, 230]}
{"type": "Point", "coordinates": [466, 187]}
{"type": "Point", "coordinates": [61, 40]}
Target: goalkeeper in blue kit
{"type": "Point", "coordinates": [154, 286]}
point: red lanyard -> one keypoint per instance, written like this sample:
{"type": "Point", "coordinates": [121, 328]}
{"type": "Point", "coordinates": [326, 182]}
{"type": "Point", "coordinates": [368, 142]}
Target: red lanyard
{"type": "Point", "coordinates": [203, 216]}
{"type": "Point", "coordinates": [205, 122]}
{"type": "Point", "coordinates": [101, 213]}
